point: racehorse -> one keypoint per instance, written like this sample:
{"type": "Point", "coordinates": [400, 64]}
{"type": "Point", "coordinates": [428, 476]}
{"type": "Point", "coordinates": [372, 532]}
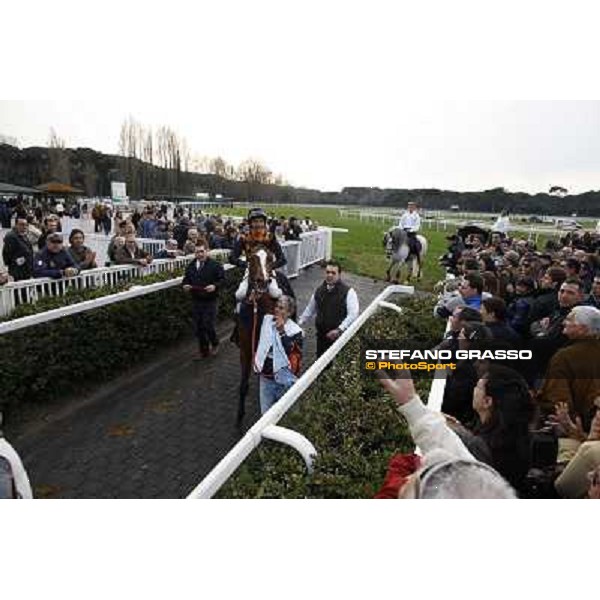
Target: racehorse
{"type": "Point", "coordinates": [398, 253]}
{"type": "Point", "coordinates": [257, 300]}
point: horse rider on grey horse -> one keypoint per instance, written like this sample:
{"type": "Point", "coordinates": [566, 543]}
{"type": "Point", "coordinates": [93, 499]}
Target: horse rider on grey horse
{"type": "Point", "coordinates": [410, 221]}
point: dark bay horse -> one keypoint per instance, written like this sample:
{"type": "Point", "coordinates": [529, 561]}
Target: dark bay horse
{"type": "Point", "coordinates": [256, 303]}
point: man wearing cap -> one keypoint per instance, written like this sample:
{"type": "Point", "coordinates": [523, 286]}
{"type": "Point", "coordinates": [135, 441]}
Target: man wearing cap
{"type": "Point", "coordinates": [410, 221]}
{"type": "Point", "coordinates": [53, 260]}
{"type": "Point", "coordinates": [258, 236]}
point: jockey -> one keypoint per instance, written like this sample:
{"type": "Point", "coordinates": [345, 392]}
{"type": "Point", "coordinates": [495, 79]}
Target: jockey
{"type": "Point", "coordinates": [502, 224]}
{"type": "Point", "coordinates": [410, 221]}
{"type": "Point", "coordinates": [257, 238]}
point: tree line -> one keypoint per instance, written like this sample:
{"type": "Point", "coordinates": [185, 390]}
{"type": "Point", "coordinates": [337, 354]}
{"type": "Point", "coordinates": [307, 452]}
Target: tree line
{"type": "Point", "coordinates": [160, 163]}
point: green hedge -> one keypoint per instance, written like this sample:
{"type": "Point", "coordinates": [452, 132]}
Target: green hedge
{"type": "Point", "coordinates": [353, 424]}
{"type": "Point", "coordinates": [46, 361]}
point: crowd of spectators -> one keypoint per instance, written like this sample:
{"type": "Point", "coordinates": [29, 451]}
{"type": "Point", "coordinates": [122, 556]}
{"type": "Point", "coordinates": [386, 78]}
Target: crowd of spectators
{"type": "Point", "coordinates": [534, 423]}
{"type": "Point", "coordinates": [32, 247]}
{"type": "Point", "coordinates": [537, 420]}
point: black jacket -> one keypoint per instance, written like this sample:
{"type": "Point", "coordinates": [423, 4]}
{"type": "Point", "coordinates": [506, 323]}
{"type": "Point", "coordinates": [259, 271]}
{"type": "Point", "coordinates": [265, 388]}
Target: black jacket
{"type": "Point", "coordinates": [502, 331]}
{"type": "Point", "coordinates": [212, 273]}
{"type": "Point", "coordinates": [17, 249]}
{"type": "Point", "coordinates": [52, 264]}
{"type": "Point", "coordinates": [544, 305]}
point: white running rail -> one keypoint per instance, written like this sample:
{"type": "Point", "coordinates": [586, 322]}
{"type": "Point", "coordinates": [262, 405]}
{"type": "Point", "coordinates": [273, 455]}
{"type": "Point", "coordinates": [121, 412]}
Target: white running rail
{"type": "Point", "coordinates": [262, 429]}
{"type": "Point", "coordinates": [30, 291]}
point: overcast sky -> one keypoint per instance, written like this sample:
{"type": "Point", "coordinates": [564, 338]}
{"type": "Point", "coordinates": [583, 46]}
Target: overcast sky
{"type": "Point", "coordinates": [327, 94]}
{"type": "Point", "coordinates": [332, 143]}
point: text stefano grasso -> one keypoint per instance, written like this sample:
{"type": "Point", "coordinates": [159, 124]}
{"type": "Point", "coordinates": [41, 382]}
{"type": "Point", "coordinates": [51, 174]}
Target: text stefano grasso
{"type": "Point", "coordinates": [446, 355]}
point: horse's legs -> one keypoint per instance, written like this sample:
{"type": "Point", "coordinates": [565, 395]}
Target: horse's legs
{"type": "Point", "coordinates": [395, 268]}
{"type": "Point", "coordinates": [244, 385]}
{"type": "Point", "coordinates": [245, 342]}
{"type": "Point", "coordinates": [411, 268]}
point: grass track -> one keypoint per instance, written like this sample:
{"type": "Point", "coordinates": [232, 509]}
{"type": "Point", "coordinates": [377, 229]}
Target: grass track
{"type": "Point", "coordinates": [361, 249]}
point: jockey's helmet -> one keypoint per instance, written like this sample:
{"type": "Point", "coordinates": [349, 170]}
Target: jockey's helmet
{"type": "Point", "coordinates": [257, 219]}
{"type": "Point", "coordinates": [257, 213]}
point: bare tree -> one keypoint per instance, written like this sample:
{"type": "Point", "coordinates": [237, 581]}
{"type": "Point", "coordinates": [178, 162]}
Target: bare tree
{"type": "Point", "coordinates": [148, 152]}
{"type": "Point", "coordinates": [200, 164]}
{"type": "Point", "coordinates": [133, 139]}
{"type": "Point", "coordinates": [59, 165]}
{"type": "Point", "coordinates": [186, 155]}
{"type": "Point", "coordinates": [55, 141]}
{"type": "Point", "coordinates": [254, 171]}
{"type": "Point", "coordinates": [133, 147]}
{"type": "Point", "coordinates": [254, 174]}
{"type": "Point", "coordinates": [220, 167]}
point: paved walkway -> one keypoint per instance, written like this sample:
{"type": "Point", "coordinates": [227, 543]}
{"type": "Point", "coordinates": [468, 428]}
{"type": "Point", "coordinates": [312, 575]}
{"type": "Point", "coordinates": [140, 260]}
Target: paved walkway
{"type": "Point", "coordinates": [154, 432]}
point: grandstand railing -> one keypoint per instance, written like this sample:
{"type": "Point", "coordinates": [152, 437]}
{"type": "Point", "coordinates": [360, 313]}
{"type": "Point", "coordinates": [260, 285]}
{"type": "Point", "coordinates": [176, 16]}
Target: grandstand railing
{"type": "Point", "coordinates": [266, 427]}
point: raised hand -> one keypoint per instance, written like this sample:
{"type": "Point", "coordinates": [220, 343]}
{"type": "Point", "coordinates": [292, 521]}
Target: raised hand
{"type": "Point", "coordinates": [402, 390]}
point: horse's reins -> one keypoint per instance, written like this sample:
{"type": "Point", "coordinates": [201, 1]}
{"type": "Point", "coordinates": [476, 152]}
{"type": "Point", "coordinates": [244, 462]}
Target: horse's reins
{"type": "Point", "coordinates": [254, 321]}
{"type": "Point", "coordinates": [254, 326]}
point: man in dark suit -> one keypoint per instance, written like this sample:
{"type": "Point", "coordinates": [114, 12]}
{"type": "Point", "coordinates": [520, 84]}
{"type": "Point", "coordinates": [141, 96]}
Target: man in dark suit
{"type": "Point", "coordinates": [202, 279]}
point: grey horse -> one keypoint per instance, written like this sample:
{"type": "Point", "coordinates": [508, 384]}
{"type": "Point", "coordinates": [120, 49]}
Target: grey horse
{"type": "Point", "coordinates": [397, 251]}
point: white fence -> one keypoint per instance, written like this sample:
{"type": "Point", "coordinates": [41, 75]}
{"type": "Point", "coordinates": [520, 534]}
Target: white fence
{"type": "Point", "coordinates": [266, 427]}
{"type": "Point", "coordinates": [32, 290]}
{"type": "Point", "coordinates": [318, 247]}
{"type": "Point", "coordinates": [313, 247]}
